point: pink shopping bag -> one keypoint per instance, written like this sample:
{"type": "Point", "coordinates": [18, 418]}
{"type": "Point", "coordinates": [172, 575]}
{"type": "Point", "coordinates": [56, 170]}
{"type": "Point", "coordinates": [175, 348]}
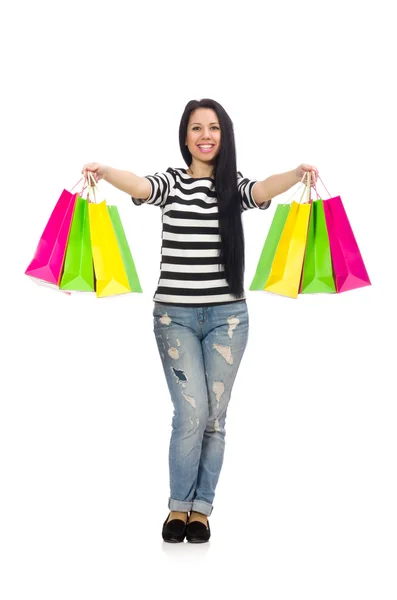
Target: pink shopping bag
{"type": "Point", "coordinates": [47, 263]}
{"type": "Point", "coordinates": [348, 265]}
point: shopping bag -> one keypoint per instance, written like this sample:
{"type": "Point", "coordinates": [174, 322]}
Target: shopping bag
{"type": "Point", "coordinates": [348, 266]}
{"type": "Point", "coordinates": [110, 273]}
{"type": "Point", "coordinates": [269, 248]}
{"type": "Point", "coordinates": [128, 261]}
{"type": "Point", "coordinates": [286, 271]}
{"type": "Point", "coordinates": [317, 266]}
{"type": "Point", "coordinates": [48, 259]}
{"type": "Point", "coordinates": [78, 271]}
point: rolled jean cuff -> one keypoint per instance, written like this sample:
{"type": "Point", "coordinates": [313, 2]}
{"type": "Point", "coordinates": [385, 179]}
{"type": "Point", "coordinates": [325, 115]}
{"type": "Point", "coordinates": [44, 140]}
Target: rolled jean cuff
{"type": "Point", "coordinates": [179, 505]}
{"type": "Point", "coordinates": [202, 507]}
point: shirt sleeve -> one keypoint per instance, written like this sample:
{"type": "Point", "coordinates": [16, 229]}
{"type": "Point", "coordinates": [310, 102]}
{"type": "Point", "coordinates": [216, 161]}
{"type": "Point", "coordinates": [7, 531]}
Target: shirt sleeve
{"type": "Point", "coordinates": [245, 186]}
{"type": "Point", "coordinates": [161, 184]}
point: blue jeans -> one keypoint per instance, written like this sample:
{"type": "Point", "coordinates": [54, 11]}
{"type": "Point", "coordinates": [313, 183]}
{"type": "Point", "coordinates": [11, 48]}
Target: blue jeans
{"type": "Point", "coordinates": [201, 350]}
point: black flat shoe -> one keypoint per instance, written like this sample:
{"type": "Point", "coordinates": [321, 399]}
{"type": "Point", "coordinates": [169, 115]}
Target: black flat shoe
{"type": "Point", "coordinates": [197, 532]}
{"type": "Point", "coordinates": [174, 531]}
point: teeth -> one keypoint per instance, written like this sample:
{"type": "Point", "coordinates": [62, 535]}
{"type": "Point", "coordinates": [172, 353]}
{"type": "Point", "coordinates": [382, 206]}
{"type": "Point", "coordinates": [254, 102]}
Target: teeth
{"type": "Point", "coordinates": [201, 146]}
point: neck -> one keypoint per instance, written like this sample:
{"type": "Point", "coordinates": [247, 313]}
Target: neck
{"type": "Point", "coordinates": [197, 169]}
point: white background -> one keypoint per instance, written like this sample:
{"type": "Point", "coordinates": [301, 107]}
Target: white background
{"type": "Point", "coordinates": [306, 501]}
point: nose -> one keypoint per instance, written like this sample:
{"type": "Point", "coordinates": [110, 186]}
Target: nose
{"type": "Point", "coordinates": [206, 136]}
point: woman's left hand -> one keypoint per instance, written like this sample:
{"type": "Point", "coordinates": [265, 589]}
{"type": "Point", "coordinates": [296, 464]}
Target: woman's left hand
{"type": "Point", "coordinates": [304, 168]}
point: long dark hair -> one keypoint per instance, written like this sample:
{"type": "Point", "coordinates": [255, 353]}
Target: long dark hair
{"type": "Point", "coordinates": [225, 180]}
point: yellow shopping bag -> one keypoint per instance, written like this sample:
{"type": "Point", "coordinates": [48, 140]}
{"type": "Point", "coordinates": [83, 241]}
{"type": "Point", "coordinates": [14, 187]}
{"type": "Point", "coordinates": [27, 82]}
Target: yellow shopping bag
{"type": "Point", "coordinates": [110, 274]}
{"type": "Point", "coordinates": [286, 270]}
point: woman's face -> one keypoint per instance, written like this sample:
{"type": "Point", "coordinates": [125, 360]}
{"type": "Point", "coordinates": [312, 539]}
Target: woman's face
{"type": "Point", "coordinates": [203, 130]}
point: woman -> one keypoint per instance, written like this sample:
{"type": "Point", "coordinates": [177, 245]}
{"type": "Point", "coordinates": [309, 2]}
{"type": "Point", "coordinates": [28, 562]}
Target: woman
{"type": "Point", "coordinates": [200, 316]}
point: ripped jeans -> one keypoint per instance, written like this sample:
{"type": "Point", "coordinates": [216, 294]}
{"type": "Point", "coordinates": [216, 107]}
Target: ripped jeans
{"type": "Point", "coordinates": [201, 350]}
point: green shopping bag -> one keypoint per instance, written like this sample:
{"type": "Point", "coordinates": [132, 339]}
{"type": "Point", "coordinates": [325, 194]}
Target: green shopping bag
{"type": "Point", "coordinates": [269, 248]}
{"type": "Point", "coordinates": [78, 271]}
{"type": "Point", "coordinates": [317, 267]}
{"type": "Point", "coordinates": [125, 251]}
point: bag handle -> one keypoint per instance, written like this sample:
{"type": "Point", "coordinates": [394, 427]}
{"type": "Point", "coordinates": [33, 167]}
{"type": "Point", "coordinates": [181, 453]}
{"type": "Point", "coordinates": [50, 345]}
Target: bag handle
{"type": "Point", "coordinates": [93, 187]}
{"type": "Point", "coordinates": [309, 186]}
{"type": "Point", "coordinates": [305, 185]}
{"type": "Point", "coordinates": [315, 188]}
{"type": "Point", "coordinates": [86, 179]}
{"type": "Point", "coordinates": [314, 185]}
{"type": "Point", "coordinates": [92, 184]}
{"type": "Point", "coordinates": [84, 186]}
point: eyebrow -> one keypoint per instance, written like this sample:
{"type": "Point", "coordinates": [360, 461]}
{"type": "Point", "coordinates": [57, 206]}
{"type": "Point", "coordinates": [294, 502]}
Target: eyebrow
{"type": "Point", "coordinates": [213, 123]}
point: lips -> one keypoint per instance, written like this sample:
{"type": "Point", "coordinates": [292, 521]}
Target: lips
{"type": "Point", "coordinates": [205, 147]}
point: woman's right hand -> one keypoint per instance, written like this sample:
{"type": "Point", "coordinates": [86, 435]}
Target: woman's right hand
{"type": "Point", "coordinates": [96, 169]}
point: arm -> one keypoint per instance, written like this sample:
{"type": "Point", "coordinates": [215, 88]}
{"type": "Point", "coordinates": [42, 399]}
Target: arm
{"type": "Point", "coordinates": [273, 186]}
{"type": "Point", "coordinates": [131, 184]}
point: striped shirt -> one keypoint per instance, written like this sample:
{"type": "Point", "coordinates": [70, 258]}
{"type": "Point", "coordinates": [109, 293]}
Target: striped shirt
{"type": "Point", "coordinates": [190, 271]}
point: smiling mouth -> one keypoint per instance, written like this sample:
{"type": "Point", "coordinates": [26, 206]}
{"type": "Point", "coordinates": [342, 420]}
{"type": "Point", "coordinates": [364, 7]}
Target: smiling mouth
{"type": "Point", "coordinates": [206, 147]}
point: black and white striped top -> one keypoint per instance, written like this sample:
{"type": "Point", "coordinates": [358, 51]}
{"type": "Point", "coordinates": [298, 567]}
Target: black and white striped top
{"type": "Point", "coordinates": [190, 271]}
